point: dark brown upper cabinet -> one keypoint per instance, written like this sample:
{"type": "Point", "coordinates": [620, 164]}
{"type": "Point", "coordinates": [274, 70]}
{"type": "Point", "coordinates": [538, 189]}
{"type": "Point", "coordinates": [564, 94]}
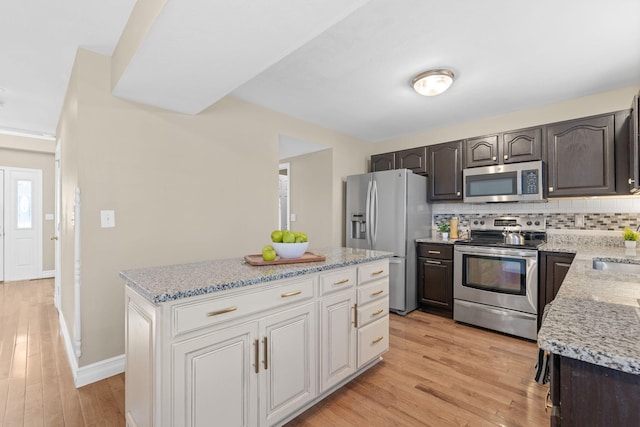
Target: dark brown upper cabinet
{"type": "Point", "coordinates": [481, 151]}
{"type": "Point", "coordinates": [383, 162]}
{"type": "Point", "coordinates": [581, 157]}
{"type": "Point", "coordinates": [445, 171]}
{"type": "Point", "coordinates": [414, 159]}
{"type": "Point", "coordinates": [634, 148]}
{"type": "Point", "coordinates": [522, 145]}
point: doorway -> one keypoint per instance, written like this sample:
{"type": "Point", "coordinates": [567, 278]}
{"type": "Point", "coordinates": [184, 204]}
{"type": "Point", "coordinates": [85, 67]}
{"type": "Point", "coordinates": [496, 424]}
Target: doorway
{"type": "Point", "coordinates": [23, 224]}
{"type": "Point", "coordinates": [284, 193]}
{"type": "Point", "coordinates": [1, 225]}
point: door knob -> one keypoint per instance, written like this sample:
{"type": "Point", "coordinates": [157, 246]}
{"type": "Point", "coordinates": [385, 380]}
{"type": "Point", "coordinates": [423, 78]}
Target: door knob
{"type": "Point", "coordinates": [54, 237]}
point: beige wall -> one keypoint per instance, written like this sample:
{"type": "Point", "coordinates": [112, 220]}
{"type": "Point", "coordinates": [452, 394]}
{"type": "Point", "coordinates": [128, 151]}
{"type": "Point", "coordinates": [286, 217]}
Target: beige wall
{"type": "Point", "coordinates": [183, 188]}
{"type": "Point", "coordinates": [581, 107]}
{"type": "Point", "coordinates": [30, 153]}
{"type": "Point", "coordinates": [311, 198]}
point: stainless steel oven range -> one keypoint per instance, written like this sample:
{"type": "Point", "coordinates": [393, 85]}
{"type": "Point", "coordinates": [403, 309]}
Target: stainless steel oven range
{"type": "Point", "coordinates": [495, 284]}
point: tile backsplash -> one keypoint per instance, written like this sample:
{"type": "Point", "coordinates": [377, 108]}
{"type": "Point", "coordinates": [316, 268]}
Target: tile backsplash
{"type": "Point", "coordinates": [598, 214]}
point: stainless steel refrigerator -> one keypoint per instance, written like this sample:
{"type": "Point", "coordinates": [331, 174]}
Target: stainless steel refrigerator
{"type": "Point", "coordinates": [387, 211]}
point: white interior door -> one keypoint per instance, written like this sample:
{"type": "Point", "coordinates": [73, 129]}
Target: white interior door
{"type": "Point", "coordinates": [1, 225]}
{"type": "Point", "coordinates": [56, 236]}
{"type": "Point", "coordinates": [23, 231]}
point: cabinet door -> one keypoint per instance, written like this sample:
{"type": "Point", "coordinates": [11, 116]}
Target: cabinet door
{"type": "Point", "coordinates": [435, 284]}
{"type": "Point", "coordinates": [288, 365]}
{"type": "Point", "coordinates": [580, 157]}
{"type": "Point", "coordinates": [634, 146]}
{"type": "Point", "coordinates": [522, 145]}
{"type": "Point", "coordinates": [553, 269]}
{"type": "Point", "coordinates": [383, 162]}
{"type": "Point", "coordinates": [445, 171]}
{"type": "Point", "coordinates": [414, 159]}
{"type": "Point", "coordinates": [338, 339]}
{"type": "Point", "coordinates": [215, 380]}
{"type": "Point", "coordinates": [481, 151]}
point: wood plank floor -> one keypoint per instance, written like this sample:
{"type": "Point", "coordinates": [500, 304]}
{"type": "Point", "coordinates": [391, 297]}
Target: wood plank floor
{"type": "Point", "coordinates": [437, 373]}
{"type": "Point", "coordinates": [36, 384]}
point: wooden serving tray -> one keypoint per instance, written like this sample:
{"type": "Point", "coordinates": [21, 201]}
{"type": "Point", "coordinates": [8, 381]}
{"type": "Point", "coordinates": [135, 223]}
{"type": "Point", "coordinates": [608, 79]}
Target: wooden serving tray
{"type": "Point", "coordinates": [306, 257]}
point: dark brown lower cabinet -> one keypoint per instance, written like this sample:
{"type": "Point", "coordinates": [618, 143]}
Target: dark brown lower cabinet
{"type": "Point", "coordinates": [588, 395]}
{"type": "Point", "coordinates": [435, 278]}
{"type": "Point", "coordinates": [552, 271]}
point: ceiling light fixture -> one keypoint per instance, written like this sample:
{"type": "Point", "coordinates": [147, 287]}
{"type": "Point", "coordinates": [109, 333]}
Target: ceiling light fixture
{"type": "Point", "coordinates": [432, 82]}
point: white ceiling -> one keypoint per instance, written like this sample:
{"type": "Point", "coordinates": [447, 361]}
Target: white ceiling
{"type": "Point", "coordinates": [345, 65]}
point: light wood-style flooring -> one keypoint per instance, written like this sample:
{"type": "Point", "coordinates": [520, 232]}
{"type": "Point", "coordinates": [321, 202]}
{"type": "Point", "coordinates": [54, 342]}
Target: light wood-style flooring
{"type": "Point", "coordinates": [36, 384]}
{"type": "Point", "coordinates": [437, 373]}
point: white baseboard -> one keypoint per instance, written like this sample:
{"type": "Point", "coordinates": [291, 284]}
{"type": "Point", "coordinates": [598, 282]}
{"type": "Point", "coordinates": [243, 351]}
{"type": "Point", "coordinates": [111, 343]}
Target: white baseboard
{"type": "Point", "coordinates": [91, 373]}
{"type": "Point", "coordinates": [48, 274]}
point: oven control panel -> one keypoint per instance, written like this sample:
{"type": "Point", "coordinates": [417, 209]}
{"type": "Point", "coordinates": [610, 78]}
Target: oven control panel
{"type": "Point", "coordinates": [524, 223]}
{"type": "Point", "coordinates": [530, 182]}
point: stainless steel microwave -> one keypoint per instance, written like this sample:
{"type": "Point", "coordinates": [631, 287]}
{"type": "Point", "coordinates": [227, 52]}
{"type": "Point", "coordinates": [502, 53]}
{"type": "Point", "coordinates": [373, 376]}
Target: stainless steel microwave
{"type": "Point", "coordinates": [516, 182]}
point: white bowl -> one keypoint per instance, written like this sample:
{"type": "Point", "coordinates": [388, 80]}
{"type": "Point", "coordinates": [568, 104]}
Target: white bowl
{"type": "Point", "coordinates": [290, 250]}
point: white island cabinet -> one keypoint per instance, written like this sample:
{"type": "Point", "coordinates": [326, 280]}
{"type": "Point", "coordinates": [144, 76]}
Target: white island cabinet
{"type": "Point", "coordinates": [227, 344]}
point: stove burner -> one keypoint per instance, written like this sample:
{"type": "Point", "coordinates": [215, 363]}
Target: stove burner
{"type": "Point", "coordinates": [489, 231]}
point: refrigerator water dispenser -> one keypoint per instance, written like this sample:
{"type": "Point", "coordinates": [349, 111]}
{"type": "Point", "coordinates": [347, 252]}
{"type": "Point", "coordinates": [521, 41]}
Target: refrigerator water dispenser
{"type": "Point", "coordinates": [358, 226]}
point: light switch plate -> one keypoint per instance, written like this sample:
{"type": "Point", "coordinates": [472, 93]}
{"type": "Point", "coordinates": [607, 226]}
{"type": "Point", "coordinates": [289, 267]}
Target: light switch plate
{"type": "Point", "coordinates": [48, 217]}
{"type": "Point", "coordinates": [107, 219]}
{"type": "Point", "coordinates": [293, 217]}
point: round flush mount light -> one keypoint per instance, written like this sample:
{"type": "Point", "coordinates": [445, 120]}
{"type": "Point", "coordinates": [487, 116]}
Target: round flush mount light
{"type": "Point", "coordinates": [432, 82]}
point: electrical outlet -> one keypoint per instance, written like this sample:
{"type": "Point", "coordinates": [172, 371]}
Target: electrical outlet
{"type": "Point", "coordinates": [579, 221]}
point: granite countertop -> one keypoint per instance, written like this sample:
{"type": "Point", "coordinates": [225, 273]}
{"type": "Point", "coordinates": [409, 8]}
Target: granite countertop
{"type": "Point", "coordinates": [436, 239]}
{"type": "Point", "coordinates": [596, 315]}
{"type": "Point", "coordinates": [172, 282]}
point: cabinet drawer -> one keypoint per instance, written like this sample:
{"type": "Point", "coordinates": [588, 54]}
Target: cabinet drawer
{"type": "Point", "coordinates": [337, 280]}
{"type": "Point", "coordinates": [373, 340]}
{"type": "Point", "coordinates": [373, 311]}
{"type": "Point", "coordinates": [205, 313]}
{"type": "Point", "coordinates": [375, 270]}
{"type": "Point", "coordinates": [429, 250]}
{"type": "Point", "coordinates": [373, 291]}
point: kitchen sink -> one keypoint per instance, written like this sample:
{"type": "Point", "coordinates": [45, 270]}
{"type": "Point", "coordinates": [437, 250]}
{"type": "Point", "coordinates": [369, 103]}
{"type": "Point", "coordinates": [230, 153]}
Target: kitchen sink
{"type": "Point", "coordinates": [616, 266]}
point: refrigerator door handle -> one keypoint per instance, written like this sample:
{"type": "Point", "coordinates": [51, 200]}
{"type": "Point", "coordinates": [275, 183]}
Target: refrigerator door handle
{"type": "Point", "coordinates": [367, 215]}
{"type": "Point", "coordinates": [374, 215]}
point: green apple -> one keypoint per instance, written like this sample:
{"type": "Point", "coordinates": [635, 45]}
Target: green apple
{"type": "Point", "coordinates": [268, 254]}
{"type": "Point", "coordinates": [276, 236]}
{"type": "Point", "coordinates": [288, 237]}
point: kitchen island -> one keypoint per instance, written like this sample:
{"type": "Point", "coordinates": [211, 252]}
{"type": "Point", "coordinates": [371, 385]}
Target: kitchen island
{"type": "Point", "coordinates": [223, 342]}
{"type": "Point", "coordinates": [592, 331]}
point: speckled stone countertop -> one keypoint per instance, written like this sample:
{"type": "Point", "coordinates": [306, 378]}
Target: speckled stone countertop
{"type": "Point", "coordinates": [436, 239]}
{"type": "Point", "coordinates": [596, 314]}
{"type": "Point", "coordinates": [172, 282]}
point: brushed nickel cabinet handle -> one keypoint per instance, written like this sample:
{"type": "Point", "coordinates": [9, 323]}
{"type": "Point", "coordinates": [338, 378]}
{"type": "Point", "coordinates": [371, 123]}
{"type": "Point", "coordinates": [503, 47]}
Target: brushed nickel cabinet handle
{"type": "Point", "coordinates": [377, 292]}
{"type": "Point", "coordinates": [458, 193]}
{"type": "Point", "coordinates": [375, 313]}
{"type": "Point", "coordinates": [506, 157]}
{"type": "Point", "coordinates": [375, 273]}
{"type": "Point", "coordinates": [631, 180]}
{"type": "Point", "coordinates": [266, 353]}
{"type": "Point", "coordinates": [434, 252]}
{"type": "Point", "coordinates": [290, 294]}
{"type": "Point", "coordinates": [377, 340]}
{"type": "Point", "coordinates": [256, 361]}
{"type": "Point", "coordinates": [494, 158]}
{"type": "Point", "coordinates": [223, 311]}
{"type": "Point", "coordinates": [550, 189]}
{"type": "Point", "coordinates": [340, 282]}
{"type": "Point", "coordinates": [433, 262]}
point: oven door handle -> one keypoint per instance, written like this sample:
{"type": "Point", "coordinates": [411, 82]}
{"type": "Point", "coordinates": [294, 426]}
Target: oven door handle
{"type": "Point", "coordinates": [491, 251]}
